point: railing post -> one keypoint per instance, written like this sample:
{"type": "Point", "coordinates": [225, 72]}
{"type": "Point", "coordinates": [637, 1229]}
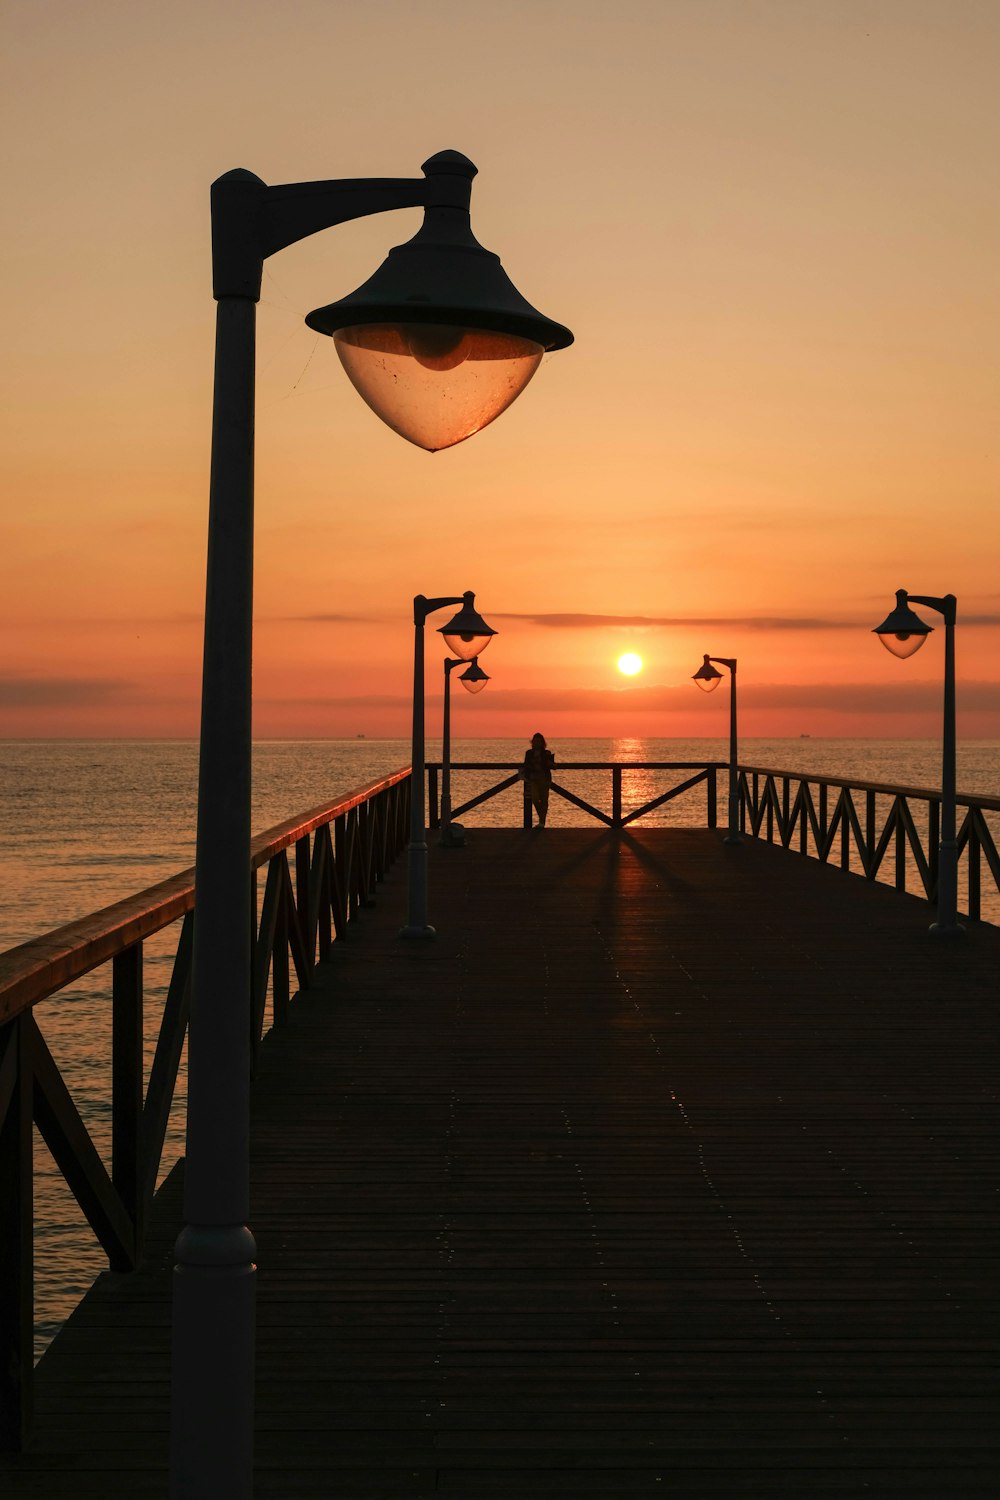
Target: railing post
{"type": "Point", "coordinates": [126, 1088]}
{"type": "Point", "coordinates": [900, 843]}
{"type": "Point", "coordinates": [527, 806]}
{"type": "Point", "coordinates": [433, 811]}
{"type": "Point", "coordinates": [616, 796]}
{"type": "Point", "coordinates": [712, 797]}
{"type": "Point", "coordinates": [934, 846]}
{"type": "Point", "coordinates": [786, 794]}
{"type": "Point", "coordinates": [302, 886]}
{"type": "Point", "coordinates": [975, 849]}
{"type": "Point", "coordinates": [279, 958]}
{"type": "Point", "coordinates": [16, 1235]}
{"type": "Point", "coordinates": [845, 830]}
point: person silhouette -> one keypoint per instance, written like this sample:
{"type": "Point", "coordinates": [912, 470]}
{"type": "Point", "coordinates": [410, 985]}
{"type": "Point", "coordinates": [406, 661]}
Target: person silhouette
{"type": "Point", "coordinates": [536, 773]}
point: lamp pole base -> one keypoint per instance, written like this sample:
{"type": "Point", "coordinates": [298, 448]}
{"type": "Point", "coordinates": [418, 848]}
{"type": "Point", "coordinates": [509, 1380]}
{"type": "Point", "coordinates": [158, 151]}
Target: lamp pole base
{"type": "Point", "coordinates": [946, 929]}
{"type": "Point", "coordinates": [732, 838]}
{"type": "Point", "coordinates": [417, 932]}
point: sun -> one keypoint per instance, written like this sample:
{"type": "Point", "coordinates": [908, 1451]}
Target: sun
{"type": "Point", "coordinates": [630, 664]}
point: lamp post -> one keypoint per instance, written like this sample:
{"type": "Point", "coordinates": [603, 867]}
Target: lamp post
{"type": "Point", "coordinates": [466, 634]}
{"type": "Point", "coordinates": [438, 342]}
{"type": "Point", "coordinates": [473, 679]}
{"type": "Point", "coordinates": [903, 633]}
{"type": "Point", "coordinates": [708, 680]}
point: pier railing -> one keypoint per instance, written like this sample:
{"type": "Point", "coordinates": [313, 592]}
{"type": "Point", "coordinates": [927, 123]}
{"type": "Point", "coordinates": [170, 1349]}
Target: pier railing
{"type": "Point", "coordinates": [884, 832]}
{"type": "Point", "coordinates": [614, 815]}
{"type": "Point", "coordinates": [320, 869]}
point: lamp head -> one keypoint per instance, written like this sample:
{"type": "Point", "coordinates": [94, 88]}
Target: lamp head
{"type": "Point", "coordinates": [439, 341]}
{"type": "Point", "coordinates": [707, 677]}
{"type": "Point", "coordinates": [474, 679]}
{"type": "Point", "coordinates": [902, 632]}
{"type": "Point", "coordinates": [467, 633]}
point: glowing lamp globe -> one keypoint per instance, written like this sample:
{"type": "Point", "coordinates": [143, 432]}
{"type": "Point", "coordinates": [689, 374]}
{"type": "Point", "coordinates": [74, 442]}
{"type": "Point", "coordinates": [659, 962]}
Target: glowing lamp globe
{"type": "Point", "coordinates": [467, 633]}
{"type": "Point", "coordinates": [439, 341]}
{"type": "Point", "coordinates": [436, 385]}
{"type": "Point", "coordinates": [474, 679]}
{"type": "Point", "coordinates": [902, 631]}
{"type": "Point", "coordinates": [707, 677]}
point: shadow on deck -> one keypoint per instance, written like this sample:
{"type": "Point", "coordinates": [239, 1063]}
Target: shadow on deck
{"type": "Point", "coordinates": [668, 1168]}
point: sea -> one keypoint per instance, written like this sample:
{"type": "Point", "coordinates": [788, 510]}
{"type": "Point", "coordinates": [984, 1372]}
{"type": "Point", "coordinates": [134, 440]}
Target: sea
{"type": "Point", "coordinates": [84, 823]}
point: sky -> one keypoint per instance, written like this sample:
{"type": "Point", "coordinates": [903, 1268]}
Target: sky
{"type": "Point", "coordinates": [773, 227]}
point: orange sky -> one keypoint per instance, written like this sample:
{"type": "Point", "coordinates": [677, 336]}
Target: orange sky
{"type": "Point", "coordinates": [773, 227]}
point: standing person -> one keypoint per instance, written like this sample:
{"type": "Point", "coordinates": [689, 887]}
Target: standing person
{"type": "Point", "coordinates": [536, 773]}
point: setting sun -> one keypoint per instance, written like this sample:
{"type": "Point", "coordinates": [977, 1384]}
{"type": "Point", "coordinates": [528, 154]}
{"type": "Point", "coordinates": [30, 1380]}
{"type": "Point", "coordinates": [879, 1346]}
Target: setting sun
{"type": "Point", "coordinates": [630, 664]}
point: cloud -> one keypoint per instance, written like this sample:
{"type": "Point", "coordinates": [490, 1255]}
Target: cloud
{"type": "Point", "coordinates": [681, 697]}
{"type": "Point", "coordinates": [328, 619]}
{"type": "Point", "coordinates": [579, 621]}
{"type": "Point", "coordinates": [61, 692]}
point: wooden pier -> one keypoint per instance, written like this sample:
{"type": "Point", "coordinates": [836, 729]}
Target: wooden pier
{"type": "Point", "coordinates": [668, 1168]}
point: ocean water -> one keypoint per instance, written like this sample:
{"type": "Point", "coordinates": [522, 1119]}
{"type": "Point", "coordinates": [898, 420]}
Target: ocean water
{"type": "Point", "coordinates": [84, 823]}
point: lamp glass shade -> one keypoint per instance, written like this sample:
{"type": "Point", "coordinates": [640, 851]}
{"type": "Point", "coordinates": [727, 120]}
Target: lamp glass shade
{"type": "Point", "coordinates": [467, 633]}
{"type": "Point", "coordinates": [902, 643]}
{"type": "Point", "coordinates": [436, 384]}
{"type": "Point", "coordinates": [474, 679]}
{"type": "Point", "coordinates": [707, 677]}
{"type": "Point", "coordinates": [465, 645]}
{"type": "Point", "coordinates": [902, 631]}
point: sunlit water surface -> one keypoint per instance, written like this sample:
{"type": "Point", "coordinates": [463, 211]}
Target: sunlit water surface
{"type": "Point", "coordinates": [85, 823]}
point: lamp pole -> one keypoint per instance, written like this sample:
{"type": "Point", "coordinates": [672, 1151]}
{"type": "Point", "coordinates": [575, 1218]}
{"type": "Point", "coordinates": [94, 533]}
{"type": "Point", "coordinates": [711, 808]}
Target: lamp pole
{"type": "Point", "coordinates": [708, 679]}
{"type": "Point", "coordinates": [467, 634]}
{"type": "Point", "coordinates": [439, 301]}
{"type": "Point", "coordinates": [903, 633]}
{"type": "Point", "coordinates": [446, 833]}
{"type": "Point", "coordinates": [473, 679]}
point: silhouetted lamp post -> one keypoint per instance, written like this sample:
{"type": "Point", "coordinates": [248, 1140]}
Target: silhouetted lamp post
{"type": "Point", "coordinates": [708, 680]}
{"type": "Point", "coordinates": [473, 679]}
{"type": "Point", "coordinates": [466, 635]}
{"type": "Point", "coordinates": [438, 342]}
{"type": "Point", "coordinates": [903, 632]}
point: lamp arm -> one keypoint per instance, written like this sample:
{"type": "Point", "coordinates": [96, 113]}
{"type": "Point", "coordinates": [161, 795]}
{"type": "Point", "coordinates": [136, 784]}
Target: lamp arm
{"type": "Point", "coordinates": [946, 606]}
{"type": "Point", "coordinates": [724, 661]}
{"type": "Point", "coordinates": [422, 606]}
{"type": "Point", "coordinates": [251, 221]}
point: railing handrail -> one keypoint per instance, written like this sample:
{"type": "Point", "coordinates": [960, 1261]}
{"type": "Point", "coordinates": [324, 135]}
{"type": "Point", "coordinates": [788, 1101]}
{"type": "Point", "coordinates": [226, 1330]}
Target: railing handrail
{"type": "Point", "coordinates": [885, 788]}
{"type": "Point", "coordinates": [857, 783]}
{"type": "Point", "coordinates": [585, 765]}
{"type": "Point", "coordinates": [266, 845]}
{"type": "Point", "coordinates": [38, 968]}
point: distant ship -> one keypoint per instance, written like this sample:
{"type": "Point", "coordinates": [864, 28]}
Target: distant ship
{"type": "Point", "coordinates": [801, 736]}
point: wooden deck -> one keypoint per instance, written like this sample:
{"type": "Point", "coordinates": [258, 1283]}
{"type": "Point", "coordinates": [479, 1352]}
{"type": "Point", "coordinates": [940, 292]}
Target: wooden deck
{"type": "Point", "coordinates": [667, 1169]}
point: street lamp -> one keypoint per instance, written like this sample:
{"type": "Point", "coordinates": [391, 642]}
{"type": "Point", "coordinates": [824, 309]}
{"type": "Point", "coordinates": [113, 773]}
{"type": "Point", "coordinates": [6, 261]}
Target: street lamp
{"type": "Point", "coordinates": [708, 680]}
{"type": "Point", "coordinates": [473, 679]}
{"type": "Point", "coordinates": [903, 632]}
{"type": "Point", "coordinates": [438, 342]}
{"type": "Point", "coordinates": [466, 634]}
